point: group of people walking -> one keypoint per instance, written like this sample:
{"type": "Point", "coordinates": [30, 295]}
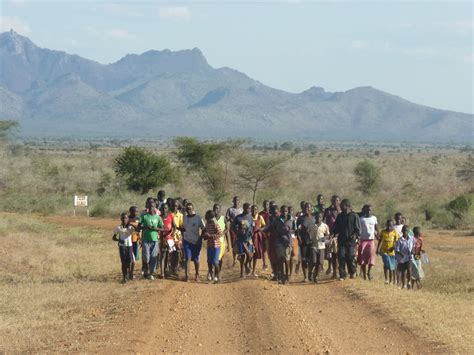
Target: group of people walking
{"type": "Point", "coordinates": [170, 234]}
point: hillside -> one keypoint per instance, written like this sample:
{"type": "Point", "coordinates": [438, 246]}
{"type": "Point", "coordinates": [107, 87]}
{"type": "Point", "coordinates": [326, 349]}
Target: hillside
{"type": "Point", "coordinates": [178, 93]}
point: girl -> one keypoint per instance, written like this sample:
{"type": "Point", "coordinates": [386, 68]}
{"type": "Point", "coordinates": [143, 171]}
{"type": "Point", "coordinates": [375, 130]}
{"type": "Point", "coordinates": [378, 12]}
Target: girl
{"type": "Point", "coordinates": [257, 237]}
{"type": "Point", "coordinates": [123, 235]}
{"type": "Point", "coordinates": [134, 220]}
{"type": "Point", "coordinates": [213, 233]}
{"type": "Point", "coordinates": [404, 254]}
{"type": "Point", "coordinates": [386, 248]}
{"type": "Point", "coordinates": [166, 239]}
{"type": "Point", "coordinates": [417, 273]}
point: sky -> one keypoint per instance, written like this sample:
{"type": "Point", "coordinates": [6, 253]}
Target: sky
{"type": "Point", "coordinates": [419, 50]}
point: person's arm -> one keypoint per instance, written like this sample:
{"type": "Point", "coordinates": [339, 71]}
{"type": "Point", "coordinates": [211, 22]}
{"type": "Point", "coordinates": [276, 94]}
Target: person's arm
{"type": "Point", "coordinates": [115, 235]}
{"type": "Point", "coordinates": [379, 243]}
{"type": "Point", "coordinates": [376, 231]}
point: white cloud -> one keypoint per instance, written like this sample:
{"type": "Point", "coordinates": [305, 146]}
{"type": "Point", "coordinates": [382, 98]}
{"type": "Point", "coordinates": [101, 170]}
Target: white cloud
{"type": "Point", "coordinates": [17, 3]}
{"type": "Point", "coordinates": [180, 13]}
{"type": "Point", "coordinates": [12, 22]}
{"type": "Point", "coordinates": [114, 33]}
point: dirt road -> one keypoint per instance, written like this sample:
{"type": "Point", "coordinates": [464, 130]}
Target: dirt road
{"type": "Point", "coordinates": [252, 315]}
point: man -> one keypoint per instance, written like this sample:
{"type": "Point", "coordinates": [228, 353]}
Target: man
{"type": "Point", "coordinates": [230, 215]}
{"type": "Point", "coordinates": [329, 217]}
{"type": "Point", "coordinates": [281, 236]}
{"type": "Point", "coordinates": [192, 240]}
{"type": "Point", "coordinates": [368, 232]}
{"type": "Point", "coordinates": [319, 208]}
{"type": "Point", "coordinates": [150, 224]}
{"type": "Point", "coordinates": [265, 213]}
{"type": "Point", "coordinates": [347, 232]}
{"type": "Point", "coordinates": [304, 224]}
{"type": "Point", "coordinates": [243, 229]}
{"type": "Point", "coordinates": [161, 197]}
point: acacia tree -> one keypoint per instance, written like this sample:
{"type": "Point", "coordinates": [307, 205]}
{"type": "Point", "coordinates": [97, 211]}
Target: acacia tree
{"type": "Point", "coordinates": [143, 170]}
{"type": "Point", "coordinates": [255, 172]}
{"type": "Point", "coordinates": [209, 160]}
{"type": "Point", "coordinates": [368, 176]}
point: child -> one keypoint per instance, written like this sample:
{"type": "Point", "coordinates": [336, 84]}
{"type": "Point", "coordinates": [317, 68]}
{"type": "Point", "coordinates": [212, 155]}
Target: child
{"type": "Point", "coordinates": [386, 248]}
{"type": "Point", "coordinates": [123, 235]}
{"type": "Point", "coordinates": [403, 254]}
{"type": "Point", "coordinates": [318, 234]}
{"type": "Point", "coordinates": [166, 239]}
{"type": "Point", "coordinates": [134, 220]}
{"type": "Point", "coordinates": [243, 228]}
{"type": "Point", "coordinates": [213, 233]}
{"type": "Point", "coordinates": [417, 273]}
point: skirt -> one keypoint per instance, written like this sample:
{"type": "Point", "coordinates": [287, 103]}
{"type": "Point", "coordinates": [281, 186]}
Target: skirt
{"type": "Point", "coordinates": [417, 272]}
{"type": "Point", "coordinates": [389, 262]}
{"type": "Point", "coordinates": [222, 248]}
{"type": "Point", "coordinates": [258, 244]}
{"type": "Point", "coordinates": [366, 252]}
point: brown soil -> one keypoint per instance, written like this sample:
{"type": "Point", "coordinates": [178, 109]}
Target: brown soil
{"type": "Point", "coordinates": [251, 315]}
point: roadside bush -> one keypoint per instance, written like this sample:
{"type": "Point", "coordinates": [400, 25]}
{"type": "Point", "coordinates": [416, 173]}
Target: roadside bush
{"type": "Point", "coordinates": [460, 207]}
{"type": "Point", "coordinates": [368, 176]}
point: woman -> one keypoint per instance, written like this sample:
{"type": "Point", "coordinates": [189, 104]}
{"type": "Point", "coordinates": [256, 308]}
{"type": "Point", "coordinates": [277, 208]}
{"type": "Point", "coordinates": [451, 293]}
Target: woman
{"type": "Point", "coordinates": [257, 237]}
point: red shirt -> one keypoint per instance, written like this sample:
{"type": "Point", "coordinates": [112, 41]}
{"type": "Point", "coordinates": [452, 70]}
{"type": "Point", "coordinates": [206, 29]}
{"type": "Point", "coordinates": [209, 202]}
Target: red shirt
{"type": "Point", "coordinates": [214, 233]}
{"type": "Point", "coordinates": [167, 226]}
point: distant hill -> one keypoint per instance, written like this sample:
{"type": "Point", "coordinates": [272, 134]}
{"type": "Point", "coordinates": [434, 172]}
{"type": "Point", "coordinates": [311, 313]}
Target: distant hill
{"type": "Point", "coordinates": [179, 93]}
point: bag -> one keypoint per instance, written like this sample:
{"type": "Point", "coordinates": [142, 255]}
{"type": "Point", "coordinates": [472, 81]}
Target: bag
{"type": "Point", "coordinates": [424, 258]}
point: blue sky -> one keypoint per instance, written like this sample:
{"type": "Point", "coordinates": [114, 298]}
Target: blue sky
{"type": "Point", "coordinates": [420, 50]}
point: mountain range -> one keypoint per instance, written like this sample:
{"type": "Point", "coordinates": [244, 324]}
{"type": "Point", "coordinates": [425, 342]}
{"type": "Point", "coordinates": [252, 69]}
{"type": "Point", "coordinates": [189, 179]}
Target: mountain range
{"type": "Point", "coordinates": [177, 93]}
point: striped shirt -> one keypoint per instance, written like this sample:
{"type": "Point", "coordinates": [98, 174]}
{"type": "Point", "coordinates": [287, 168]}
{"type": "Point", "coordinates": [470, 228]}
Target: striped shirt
{"type": "Point", "coordinates": [213, 232]}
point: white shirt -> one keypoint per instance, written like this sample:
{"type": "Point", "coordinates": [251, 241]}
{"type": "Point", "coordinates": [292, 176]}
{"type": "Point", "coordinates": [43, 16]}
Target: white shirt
{"type": "Point", "coordinates": [192, 226]}
{"type": "Point", "coordinates": [367, 227]}
{"type": "Point", "coordinates": [398, 228]}
{"type": "Point", "coordinates": [124, 234]}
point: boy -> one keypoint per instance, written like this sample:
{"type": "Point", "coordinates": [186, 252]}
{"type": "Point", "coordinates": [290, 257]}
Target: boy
{"type": "Point", "coordinates": [318, 234]}
{"type": "Point", "coordinates": [304, 224]}
{"type": "Point", "coordinates": [417, 273]}
{"type": "Point", "coordinates": [230, 215]}
{"type": "Point", "coordinates": [243, 229]}
{"type": "Point", "coordinates": [151, 224]}
{"type": "Point", "coordinates": [123, 235]}
{"type": "Point", "coordinates": [134, 220]}
{"type": "Point", "coordinates": [213, 233]}
{"type": "Point", "coordinates": [404, 254]}
{"type": "Point", "coordinates": [386, 248]}
{"type": "Point", "coordinates": [192, 241]}
{"type": "Point", "coordinates": [282, 244]}
{"type": "Point", "coordinates": [166, 239]}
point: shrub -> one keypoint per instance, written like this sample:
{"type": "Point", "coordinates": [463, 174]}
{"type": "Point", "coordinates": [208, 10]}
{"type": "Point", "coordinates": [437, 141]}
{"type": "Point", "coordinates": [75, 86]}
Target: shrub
{"type": "Point", "coordinates": [142, 169]}
{"type": "Point", "coordinates": [368, 176]}
{"type": "Point", "coordinates": [460, 206]}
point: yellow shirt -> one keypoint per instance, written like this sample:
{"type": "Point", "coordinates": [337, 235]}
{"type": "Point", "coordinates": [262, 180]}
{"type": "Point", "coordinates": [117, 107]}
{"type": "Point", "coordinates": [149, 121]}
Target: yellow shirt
{"type": "Point", "coordinates": [178, 222]}
{"type": "Point", "coordinates": [387, 241]}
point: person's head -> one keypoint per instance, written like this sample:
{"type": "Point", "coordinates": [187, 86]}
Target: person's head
{"type": "Point", "coordinates": [246, 208]}
{"type": "Point", "coordinates": [165, 209]}
{"type": "Point", "coordinates": [290, 210]}
{"type": "Point", "coordinates": [236, 201]}
{"type": "Point", "coordinates": [172, 204]}
{"type": "Point", "coordinates": [404, 220]}
{"type": "Point", "coordinates": [274, 210]}
{"type": "Point", "coordinates": [133, 211]}
{"type": "Point", "coordinates": [189, 208]}
{"type": "Point", "coordinates": [405, 232]}
{"type": "Point", "coordinates": [367, 210]}
{"type": "Point", "coordinates": [124, 218]}
{"type": "Point", "coordinates": [271, 203]}
{"type": "Point", "coordinates": [320, 199]}
{"type": "Point", "coordinates": [319, 218]}
{"type": "Point", "coordinates": [398, 218]}
{"type": "Point", "coordinates": [417, 231]}
{"type": "Point", "coordinates": [254, 210]}
{"type": "Point", "coordinates": [161, 195]}
{"type": "Point", "coordinates": [210, 215]}
{"type": "Point", "coordinates": [307, 209]}
{"type": "Point", "coordinates": [283, 211]}
{"type": "Point", "coordinates": [168, 201]}
{"type": "Point", "coordinates": [335, 201]}
{"type": "Point", "coordinates": [346, 205]}
{"type": "Point", "coordinates": [148, 201]}
{"type": "Point", "coordinates": [152, 208]}
{"type": "Point", "coordinates": [184, 203]}
{"type": "Point", "coordinates": [302, 204]}
{"type": "Point", "coordinates": [389, 224]}
{"type": "Point", "coordinates": [179, 204]}
{"type": "Point", "coordinates": [266, 205]}
{"type": "Point", "coordinates": [216, 209]}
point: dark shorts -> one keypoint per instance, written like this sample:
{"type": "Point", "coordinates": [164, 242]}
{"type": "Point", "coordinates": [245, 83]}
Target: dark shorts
{"type": "Point", "coordinates": [126, 256]}
{"type": "Point", "coordinates": [213, 255]}
{"type": "Point", "coordinates": [403, 267]}
{"type": "Point", "coordinates": [191, 251]}
{"type": "Point", "coordinates": [305, 253]}
{"type": "Point", "coordinates": [316, 256]}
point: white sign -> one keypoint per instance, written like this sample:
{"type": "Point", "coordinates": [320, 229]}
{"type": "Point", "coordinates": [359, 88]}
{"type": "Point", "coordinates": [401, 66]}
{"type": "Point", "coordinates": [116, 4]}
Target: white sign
{"type": "Point", "coordinates": [80, 201]}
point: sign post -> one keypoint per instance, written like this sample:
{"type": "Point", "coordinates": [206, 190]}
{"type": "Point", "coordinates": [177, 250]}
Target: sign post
{"type": "Point", "coordinates": [81, 201]}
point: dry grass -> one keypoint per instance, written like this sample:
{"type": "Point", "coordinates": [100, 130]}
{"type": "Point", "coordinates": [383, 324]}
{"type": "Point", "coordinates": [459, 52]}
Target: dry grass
{"type": "Point", "coordinates": [57, 285]}
{"type": "Point", "coordinates": [443, 309]}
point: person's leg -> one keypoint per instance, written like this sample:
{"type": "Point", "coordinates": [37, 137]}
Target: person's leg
{"type": "Point", "coordinates": [196, 269]}
{"type": "Point", "coordinates": [145, 258]}
{"type": "Point", "coordinates": [342, 261]}
{"type": "Point", "coordinates": [351, 261]}
{"type": "Point", "coordinates": [154, 255]}
{"type": "Point", "coordinates": [369, 272]}
{"type": "Point", "coordinates": [264, 251]}
{"type": "Point", "coordinates": [123, 263]}
{"type": "Point", "coordinates": [241, 261]}
{"type": "Point", "coordinates": [364, 271]}
{"type": "Point", "coordinates": [385, 274]}
{"type": "Point", "coordinates": [254, 265]}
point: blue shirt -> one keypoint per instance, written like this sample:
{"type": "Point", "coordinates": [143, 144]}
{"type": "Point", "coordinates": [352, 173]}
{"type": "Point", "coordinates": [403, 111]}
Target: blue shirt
{"type": "Point", "coordinates": [243, 227]}
{"type": "Point", "coordinates": [404, 249]}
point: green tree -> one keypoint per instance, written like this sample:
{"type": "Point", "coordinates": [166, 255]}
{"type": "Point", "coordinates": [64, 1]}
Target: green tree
{"type": "Point", "coordinates": [460, 206]}
{"type": "Point", "coordinates": [6, 129]}
{"type": "Point", "coordinates": [209, 160]}
{"type": "Point", "coordinates": [142, 169]}
{"type": "Point", "coordinates": [255, 172]}
{"type": "Point", "coordinates": [368, 176]}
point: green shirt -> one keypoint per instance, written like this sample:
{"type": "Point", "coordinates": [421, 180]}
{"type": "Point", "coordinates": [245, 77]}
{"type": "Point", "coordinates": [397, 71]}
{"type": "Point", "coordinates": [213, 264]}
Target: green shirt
{"type": "Point", "coordinates": [149, 220]}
